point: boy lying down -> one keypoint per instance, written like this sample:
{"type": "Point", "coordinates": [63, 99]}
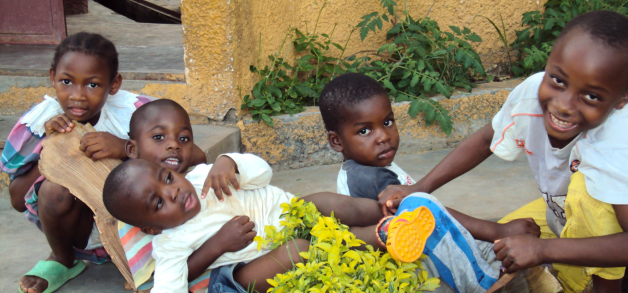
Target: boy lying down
{"type": "Point", "coordinates": [165, 203]}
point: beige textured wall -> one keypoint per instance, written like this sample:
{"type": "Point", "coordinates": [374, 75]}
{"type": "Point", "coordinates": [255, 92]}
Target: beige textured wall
{"type": "Point", "coordinates": [273, 18]}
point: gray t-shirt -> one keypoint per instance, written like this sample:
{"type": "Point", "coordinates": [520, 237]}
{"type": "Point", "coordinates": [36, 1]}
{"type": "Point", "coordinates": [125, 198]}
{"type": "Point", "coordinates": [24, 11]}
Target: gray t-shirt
{"type": "Point", "coordinates": [359, 180]}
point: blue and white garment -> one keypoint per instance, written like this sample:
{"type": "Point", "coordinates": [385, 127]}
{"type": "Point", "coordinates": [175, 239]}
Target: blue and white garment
{"type": "Point", "coordinates": [453, 254]}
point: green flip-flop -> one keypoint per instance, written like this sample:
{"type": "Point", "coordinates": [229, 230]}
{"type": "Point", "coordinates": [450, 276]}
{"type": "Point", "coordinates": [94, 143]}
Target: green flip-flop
{"type": "Point", "coordinates": [55, 273]}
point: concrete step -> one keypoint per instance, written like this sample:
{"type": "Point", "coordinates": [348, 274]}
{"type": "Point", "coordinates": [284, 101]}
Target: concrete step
{"type": "Point", "coordinates": [215, 140]}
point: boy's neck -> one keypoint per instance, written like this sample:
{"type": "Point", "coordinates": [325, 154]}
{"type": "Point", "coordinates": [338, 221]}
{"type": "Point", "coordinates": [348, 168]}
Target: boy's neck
{"type": "Point", "coordinates": [560, 144]}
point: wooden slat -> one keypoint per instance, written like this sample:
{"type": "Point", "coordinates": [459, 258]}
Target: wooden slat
{"type": "Point", "coordinates": [63, 163]}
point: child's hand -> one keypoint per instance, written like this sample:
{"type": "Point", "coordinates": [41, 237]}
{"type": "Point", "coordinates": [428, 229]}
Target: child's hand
{"type": "Point", "coordinates": [518, 227]}
{"type": "Point", "coordinates": [236, 234]}
{"type": "Point", "coordinates": [391, 197]}
{"type": "Point", "coordinates": [101, 145]}
{"type": "Point", "coordinates": [519, 252]}
{"type": "Point", "coordinates": [221, 174]}
{"type": "Point", "coordinates": [60, 123]}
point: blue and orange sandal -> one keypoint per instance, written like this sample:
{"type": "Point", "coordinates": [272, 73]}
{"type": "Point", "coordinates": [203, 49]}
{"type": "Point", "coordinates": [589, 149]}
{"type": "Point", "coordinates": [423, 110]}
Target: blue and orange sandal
{"type": "Point", "coordinates": [408, 232]}
{"type": "Point", "coordinates": [55, 273]}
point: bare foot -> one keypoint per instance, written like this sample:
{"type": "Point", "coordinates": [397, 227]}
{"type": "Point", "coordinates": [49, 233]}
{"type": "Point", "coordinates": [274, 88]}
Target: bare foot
{"type": "Point", "coordinates": [32, 284]}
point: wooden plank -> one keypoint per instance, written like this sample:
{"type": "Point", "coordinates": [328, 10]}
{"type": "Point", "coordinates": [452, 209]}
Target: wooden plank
{"type": "Point", "coordinates": [63, 163]}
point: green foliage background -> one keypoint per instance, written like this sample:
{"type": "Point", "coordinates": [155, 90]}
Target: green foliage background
{"type": "Point", "coordinates": [540, 29]}
{"type": "Point", "coordinates": [418, 60]}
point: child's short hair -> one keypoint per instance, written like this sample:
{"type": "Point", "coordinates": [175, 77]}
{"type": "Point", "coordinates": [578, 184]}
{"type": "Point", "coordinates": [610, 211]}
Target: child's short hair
{"type": "Point", "coordinates": [344, 91]}
{"type": "Point", "coordinates": [607, 26]}
{"type": "Point", "coordinates": [161, 104]}
{"type": "Point", "coordinates": [89, 44]}
{"type": "Point", "coordinates": [116, 189]}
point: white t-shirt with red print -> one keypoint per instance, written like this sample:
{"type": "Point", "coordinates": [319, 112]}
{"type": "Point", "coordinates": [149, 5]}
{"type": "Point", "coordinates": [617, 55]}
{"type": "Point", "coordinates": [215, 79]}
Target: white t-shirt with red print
{"type": "Point", "coordinates": [519, 128]}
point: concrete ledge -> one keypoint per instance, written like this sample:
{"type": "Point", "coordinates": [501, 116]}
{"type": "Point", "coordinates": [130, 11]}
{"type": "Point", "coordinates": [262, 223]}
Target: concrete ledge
{"type": "Point", "coordinates": [216, 140]}
{"type": "Point", "coordinates": [300, 140]}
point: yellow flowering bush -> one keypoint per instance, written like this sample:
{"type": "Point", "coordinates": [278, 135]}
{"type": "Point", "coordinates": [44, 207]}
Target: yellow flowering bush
{"type": "Point", "coordinates": [332, 266]}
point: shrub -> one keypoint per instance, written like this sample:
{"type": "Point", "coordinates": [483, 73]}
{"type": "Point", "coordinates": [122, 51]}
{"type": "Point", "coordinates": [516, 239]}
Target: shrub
{"type": "Point", "coordinates": [285, 89]}
{"type": "Point", "coordinates": [420, 59]}
{"type": "Point", "coordinates": [332, 266]}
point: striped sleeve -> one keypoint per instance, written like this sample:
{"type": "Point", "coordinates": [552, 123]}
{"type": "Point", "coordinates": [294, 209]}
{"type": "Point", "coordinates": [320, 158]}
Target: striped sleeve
{"type": "Point", "coordinates": [21, 150]}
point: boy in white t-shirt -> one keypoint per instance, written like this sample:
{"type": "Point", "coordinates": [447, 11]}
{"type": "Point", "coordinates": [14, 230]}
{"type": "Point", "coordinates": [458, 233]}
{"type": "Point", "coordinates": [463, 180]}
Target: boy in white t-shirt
{"type": "Point", "coordinates": [577, 101]}
{"type": "Point", "coordinates": [165, 203]}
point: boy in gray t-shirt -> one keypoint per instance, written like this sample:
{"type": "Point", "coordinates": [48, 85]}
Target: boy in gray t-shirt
{"type": "Point", "coordinates": [361, 125]}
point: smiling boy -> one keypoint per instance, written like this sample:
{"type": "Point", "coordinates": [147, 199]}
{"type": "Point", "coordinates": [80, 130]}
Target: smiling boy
{"type": "Point", "coordinates": [161, 132]}
{"type": "Point", "coordinates": [572, 110]}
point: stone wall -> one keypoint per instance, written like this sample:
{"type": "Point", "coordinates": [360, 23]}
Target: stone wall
{"type": "Point", "coordinates": [301, 140]}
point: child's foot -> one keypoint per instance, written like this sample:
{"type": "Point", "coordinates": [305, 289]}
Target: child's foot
{"type": "Point", "coordinates": [34, 284]}
{"type": "Point", "coordinates": [35, 280]}
{"type": "Point", "coordinates": [407, 233]}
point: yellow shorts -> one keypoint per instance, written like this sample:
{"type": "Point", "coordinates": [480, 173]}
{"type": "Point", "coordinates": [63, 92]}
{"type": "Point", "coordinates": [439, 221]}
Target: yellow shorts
{"type": "Point", "coordinates": [586, 217]}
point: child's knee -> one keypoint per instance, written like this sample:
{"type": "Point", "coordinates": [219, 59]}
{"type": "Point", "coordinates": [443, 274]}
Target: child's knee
{"type": "Point", "coordinates": [55, 198]}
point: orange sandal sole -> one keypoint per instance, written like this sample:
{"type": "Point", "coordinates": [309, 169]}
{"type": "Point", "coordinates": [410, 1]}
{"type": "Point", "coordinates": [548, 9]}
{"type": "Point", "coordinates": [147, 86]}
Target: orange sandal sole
{"type": "Point", "coordinates": [408, 233]}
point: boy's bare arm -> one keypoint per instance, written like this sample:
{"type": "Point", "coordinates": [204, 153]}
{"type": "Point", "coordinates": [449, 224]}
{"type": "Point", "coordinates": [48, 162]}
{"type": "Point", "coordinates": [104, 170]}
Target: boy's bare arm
{"type": "Point", "coordinates": [491, 231]}
{"type": "Point", "coordinates": [522, 252]}
{"type": "Point", "coordinates": [466, 156]}
{"type": "Point", "coordinates": [351, 211]}
{"type": "Point", "coordinates": [221, 175]}
{"type": "Point", "coordinates": [233, 236]}
{"type": "Point", "coordinates": [20, 185]}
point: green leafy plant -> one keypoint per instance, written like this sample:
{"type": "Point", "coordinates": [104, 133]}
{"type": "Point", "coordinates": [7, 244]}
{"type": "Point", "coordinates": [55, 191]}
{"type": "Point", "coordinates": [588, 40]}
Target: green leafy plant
{"type": "Point", "coordinates": [534, 42]}
{"type": "Point", "coordinates": [332, 265]}
{"type": "Point", "coordinates": [420, 59]}
{"type": "Point", "coordinates": [285, 89]}
{"type": "Point", "coordinates": [503, 37]}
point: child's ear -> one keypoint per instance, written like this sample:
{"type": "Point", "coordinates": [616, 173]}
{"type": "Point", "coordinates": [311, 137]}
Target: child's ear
{"type": "Point", "coordinates": [622, 101]}
{"type": "Point", "coordinates": [151, 230]}
{"type": "Point", "coordinates": [131, 149]}
{"type": "Point", "coordinates": [52, 77]}
{"type": "Point", "coordinates": [334, 141]}
{"type": "Point", "coordinates": [116, 83]}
